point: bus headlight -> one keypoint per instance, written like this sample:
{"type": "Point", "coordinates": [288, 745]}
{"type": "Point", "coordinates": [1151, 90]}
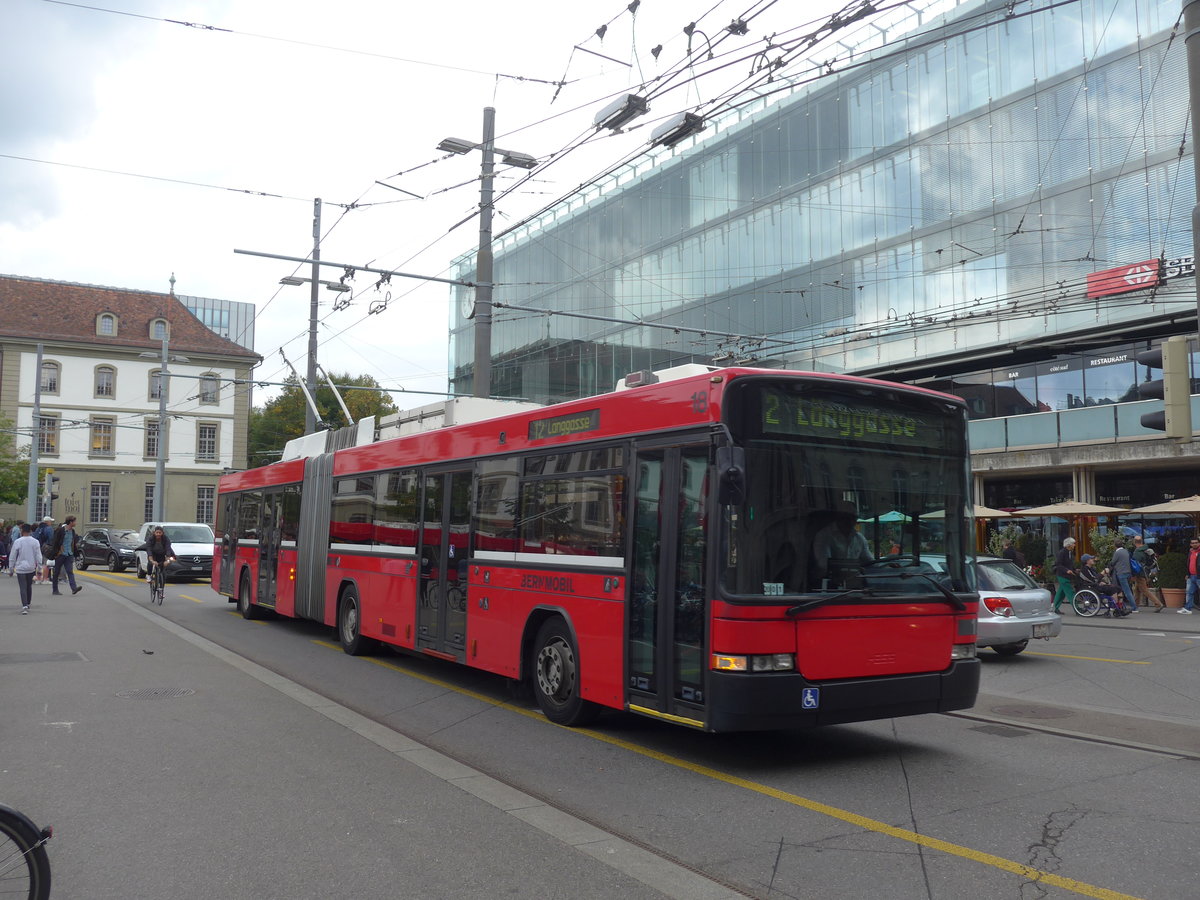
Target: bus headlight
{"type": "Point", "coordinates": [963, 651]}
{"type": "Point", "coordinates": [769, 662]}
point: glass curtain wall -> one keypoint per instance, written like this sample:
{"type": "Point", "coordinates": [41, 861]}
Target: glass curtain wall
{"type": "Point", "coordinates": [948, 197]}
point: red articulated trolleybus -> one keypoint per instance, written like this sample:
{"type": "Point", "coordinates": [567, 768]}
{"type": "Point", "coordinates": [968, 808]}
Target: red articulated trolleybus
{"type": "Point", "coordinates": [735, 550]}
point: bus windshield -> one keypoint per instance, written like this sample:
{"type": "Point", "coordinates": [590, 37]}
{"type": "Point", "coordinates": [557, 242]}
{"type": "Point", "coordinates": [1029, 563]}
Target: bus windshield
{"type": "Point", "coordinates": [851, 489]}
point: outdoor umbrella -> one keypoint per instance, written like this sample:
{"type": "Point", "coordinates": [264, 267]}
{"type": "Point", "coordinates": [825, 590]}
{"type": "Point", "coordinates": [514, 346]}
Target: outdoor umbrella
{"type": "Point", "coordinates": [1070, 508]}
{"type": "Point", "coordinates": [893, 515]}
{"type": "Point", "coordinates": [986, 512]}
{"type": "Point", "coordinates": [1181, 506]}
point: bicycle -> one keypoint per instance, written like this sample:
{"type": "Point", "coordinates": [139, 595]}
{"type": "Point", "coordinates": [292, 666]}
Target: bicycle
{"type": "Point", "coordinates": [157, 582]}
{"type": "Point", "coordinates": [24, 864]}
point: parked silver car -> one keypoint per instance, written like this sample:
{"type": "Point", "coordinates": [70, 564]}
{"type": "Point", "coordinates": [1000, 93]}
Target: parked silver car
{"type": "Point", "coordinates": [1013, 609]}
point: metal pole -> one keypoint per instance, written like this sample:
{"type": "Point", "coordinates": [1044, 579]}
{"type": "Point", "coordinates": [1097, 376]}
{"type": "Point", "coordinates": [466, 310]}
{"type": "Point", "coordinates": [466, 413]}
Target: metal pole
{"type": "Point", "coordinates": [36, 431]}
{"type": "Point", "coordinates": [310, 418]}
{"type": "Point", "coordinates": [1191, 29]}
{"type": "Point", "coordinates": [160, 458]}
{"type": "Point", "coordinates": [483, 264]}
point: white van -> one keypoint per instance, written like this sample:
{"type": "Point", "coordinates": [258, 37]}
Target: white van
{"type": "Point", "coordinates": [193, 545]}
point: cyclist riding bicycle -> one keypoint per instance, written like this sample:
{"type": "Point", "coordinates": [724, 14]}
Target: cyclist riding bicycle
{"type": "Point", "coordinates": [158, 550]}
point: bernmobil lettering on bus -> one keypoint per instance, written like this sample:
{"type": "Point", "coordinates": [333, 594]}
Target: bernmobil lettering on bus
{"type": "Point", "coordinates": [726, 550]}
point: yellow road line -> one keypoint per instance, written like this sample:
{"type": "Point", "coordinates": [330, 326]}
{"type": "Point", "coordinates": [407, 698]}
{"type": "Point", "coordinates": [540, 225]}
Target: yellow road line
{"type": "Point", "coordinates": [193, 599]}
{"type": "Point", "coordinates": [110, 578]}
{"type": "Point", "coordinates": [1124, 662]}
{"type": "Point", "coordinates": [1027, 872]}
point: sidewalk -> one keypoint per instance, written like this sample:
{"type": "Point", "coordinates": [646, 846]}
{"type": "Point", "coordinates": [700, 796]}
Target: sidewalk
{"type": "Point", "coordinates": [1145, 619]}
{"type": "Point", "coordinates": [170, 767]}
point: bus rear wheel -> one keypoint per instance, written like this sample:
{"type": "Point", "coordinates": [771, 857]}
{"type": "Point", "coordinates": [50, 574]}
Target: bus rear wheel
{"type": "Point", "coordinates": [350, 625]}
{"type": "Point", "coordinates": [245, 606]}
{"type": "Point", "coordinates": [555, 666]}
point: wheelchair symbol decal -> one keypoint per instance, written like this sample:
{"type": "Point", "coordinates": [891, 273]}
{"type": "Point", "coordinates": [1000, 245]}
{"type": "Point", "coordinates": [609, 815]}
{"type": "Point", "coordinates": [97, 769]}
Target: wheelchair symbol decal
{"type": "Point", "coordinates": [810, 698]}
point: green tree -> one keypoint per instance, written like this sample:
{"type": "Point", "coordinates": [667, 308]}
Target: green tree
{"type": "Point", "coordinates": [14, 465]}
{"type": "Point", "coordinates": [282, 418]}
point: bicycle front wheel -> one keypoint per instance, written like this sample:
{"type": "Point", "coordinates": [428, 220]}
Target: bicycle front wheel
{"type": "Point", "coordinates": [1086, 602]}
{"type": "Point", "coordinates": [24, 865]}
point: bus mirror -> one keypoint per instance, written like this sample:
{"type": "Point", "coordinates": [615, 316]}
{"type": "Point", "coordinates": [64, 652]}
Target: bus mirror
{"type": "Point", "coordinates": [731, 475]}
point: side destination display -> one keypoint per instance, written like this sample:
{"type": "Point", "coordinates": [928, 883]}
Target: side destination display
{"type": "Point", "coordinates": [561, 426]}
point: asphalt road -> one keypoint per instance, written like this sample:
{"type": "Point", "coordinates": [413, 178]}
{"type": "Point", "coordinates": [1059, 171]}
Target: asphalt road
{"type": "Point", "coordinates": [1071, 778]}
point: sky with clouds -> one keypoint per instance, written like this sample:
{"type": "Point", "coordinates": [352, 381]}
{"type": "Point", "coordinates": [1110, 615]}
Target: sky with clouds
{"type": "Point", "coordinates": [145, 138]}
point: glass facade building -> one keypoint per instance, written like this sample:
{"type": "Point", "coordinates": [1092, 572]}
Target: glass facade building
{"type": "Point", "coordinates": [933, 210]}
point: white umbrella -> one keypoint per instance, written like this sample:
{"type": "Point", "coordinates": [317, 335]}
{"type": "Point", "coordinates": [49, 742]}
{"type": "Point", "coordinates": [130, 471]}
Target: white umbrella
{"type": "Point", "coordinates": [1070, 508]}
{"type": "Point", "coordinates": [1181, 506]}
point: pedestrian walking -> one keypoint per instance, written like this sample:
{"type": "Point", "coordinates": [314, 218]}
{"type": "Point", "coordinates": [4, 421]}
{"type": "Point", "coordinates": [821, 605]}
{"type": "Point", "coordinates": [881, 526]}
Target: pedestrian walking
{"type": "Point", "coordinates": [26, 558]}
{"type": "Point", "coordinates": [1143, 557]}
{"type": "Point", "coordinates": [63, 551]}
{"type": "Point", "coordinates": [1193, 578]}
{"type": "Point", "coordinates": [13, 535]}
{"type": "Point", "coordinates": [1122, 572]}
{"type": "Point", "coordinates": [1064, 571]}
{"type": "Point", "coordinates": [44, 534]}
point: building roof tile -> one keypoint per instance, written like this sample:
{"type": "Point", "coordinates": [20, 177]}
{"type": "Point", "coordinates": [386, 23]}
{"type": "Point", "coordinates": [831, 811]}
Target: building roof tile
{"type": "Point", "coordinates": [43, 310]}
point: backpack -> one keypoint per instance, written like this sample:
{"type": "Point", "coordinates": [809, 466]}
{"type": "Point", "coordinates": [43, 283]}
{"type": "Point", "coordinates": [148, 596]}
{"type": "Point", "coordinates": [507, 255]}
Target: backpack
{"type": "Point", "coordinates": [1135, 566]}
{"type": "Point", "coordinates": [1151, 566]}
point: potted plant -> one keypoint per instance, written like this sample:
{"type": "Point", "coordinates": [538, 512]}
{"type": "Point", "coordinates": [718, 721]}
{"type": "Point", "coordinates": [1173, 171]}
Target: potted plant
{"type": "Point", "coordinates": [1172, 578]}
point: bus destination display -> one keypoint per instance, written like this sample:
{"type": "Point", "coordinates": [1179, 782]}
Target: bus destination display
{"type": "Point", "coordinates": [822, 417]}
{"type": "Point", "coordinates": [563, 426]}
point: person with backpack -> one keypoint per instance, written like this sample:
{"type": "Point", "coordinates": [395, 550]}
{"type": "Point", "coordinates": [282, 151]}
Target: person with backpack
{"type": "Point", "coordinates": [1141, 563]}
{"type": "Point", "coordinates": [1122, 571]}
{"type": "Point", "coordinates": [44, 535]}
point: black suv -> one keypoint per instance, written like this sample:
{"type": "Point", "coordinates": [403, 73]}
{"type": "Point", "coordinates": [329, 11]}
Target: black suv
{"type": "Point", "coordinates": [112, 547]}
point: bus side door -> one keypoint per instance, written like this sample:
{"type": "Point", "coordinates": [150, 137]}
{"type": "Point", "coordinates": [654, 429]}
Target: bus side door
{"type": "Point", "coordinates": [668, 608]}
{"type": "Point", "coordinates": [445, 547]}
{"type": "Point", "coordinates": [229, 540]}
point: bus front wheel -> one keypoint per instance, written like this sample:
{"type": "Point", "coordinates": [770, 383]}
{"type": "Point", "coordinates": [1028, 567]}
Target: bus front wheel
{"type": "Point", "coordinates": [556, 676]}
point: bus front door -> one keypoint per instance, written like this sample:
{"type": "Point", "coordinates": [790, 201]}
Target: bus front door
{"type": "Point", "coordinates": [667, 609]}
{"type": "Point", "coordinates": [445, 533]}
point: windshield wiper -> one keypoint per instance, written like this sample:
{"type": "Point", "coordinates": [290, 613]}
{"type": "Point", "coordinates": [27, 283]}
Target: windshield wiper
{"type": "Point", "coordinates": [821, 601]}
{"type": "Point", "coordinates": [946, 592]}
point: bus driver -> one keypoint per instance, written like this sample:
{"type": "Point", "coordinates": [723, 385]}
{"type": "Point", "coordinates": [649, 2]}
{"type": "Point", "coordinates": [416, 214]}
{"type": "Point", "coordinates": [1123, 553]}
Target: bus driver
{"type": "Point", "coordinates": [839, 544]}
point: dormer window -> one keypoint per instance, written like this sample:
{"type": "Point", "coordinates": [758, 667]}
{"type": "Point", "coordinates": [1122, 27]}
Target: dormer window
{"type": "Point", "coordinates": [158, 330]}
{"type": "Point", "coordinates": [106, 325]}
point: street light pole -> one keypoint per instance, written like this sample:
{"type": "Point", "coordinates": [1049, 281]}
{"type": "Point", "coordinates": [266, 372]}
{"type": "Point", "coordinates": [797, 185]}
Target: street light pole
{"type": "Point", "coordinates": [310, 418]}
{"type": "Point", "coordinates": [483, 257]}
{"type": "Point", "coordinates": [160, 456]}
{"type": "Point", "coordinates": [483, 263]}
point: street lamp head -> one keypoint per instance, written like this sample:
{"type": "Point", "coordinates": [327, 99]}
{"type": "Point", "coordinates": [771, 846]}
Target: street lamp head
{"type": "Point", "coordinates": [456, 145]}
{"type": "Point", "coordinates": [677, 129]}
{"type": "Point", "coordinates": [292, 280]}
{"type": "Point", "coordinates": [520, 160]}
{"type": "Point", "coordinates": [621, 111]}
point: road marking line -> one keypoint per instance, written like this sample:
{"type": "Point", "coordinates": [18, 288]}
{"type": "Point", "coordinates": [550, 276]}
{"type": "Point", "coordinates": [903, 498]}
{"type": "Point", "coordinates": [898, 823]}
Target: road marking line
{"type": "Point", "coordinates": [193, 599]}
{"type": "Point", "coordinates": [111, 579]}
{"type": "Point", "coordinates": [1028, 872]}
{"type": "Point", "coordinates": [1124, 662]}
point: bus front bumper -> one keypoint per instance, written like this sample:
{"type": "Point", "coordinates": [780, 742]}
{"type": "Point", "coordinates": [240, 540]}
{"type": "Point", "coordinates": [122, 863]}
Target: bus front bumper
{"type": "Point", "coordinates": [784, 700]}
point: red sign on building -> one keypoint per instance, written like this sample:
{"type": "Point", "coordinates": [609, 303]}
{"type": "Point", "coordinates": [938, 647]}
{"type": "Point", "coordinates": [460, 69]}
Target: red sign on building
{"type": "Point", "coordinates": [1123, 279]}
